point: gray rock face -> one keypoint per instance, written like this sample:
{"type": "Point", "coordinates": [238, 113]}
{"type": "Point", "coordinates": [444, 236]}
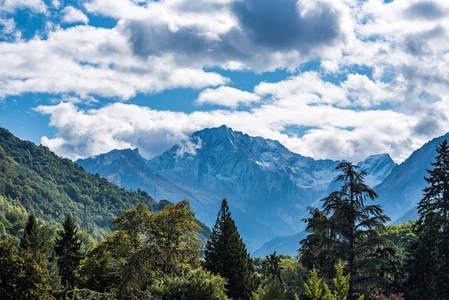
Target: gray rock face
{"type": "Point", "coordinates": [128, 169]}
{"type": "Point", "coordinates": [267, 186]}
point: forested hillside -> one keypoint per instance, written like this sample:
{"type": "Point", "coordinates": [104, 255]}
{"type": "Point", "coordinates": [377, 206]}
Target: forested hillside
{"type": "Point", "coordinates": [32, 178]}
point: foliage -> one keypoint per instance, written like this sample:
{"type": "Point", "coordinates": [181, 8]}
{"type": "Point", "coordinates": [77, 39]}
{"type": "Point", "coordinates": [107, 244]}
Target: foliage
{"type": "Point", "coordinates": [24, 275]}
{"type": "Point", "coordinates": [428, 264]}
{"type": "Point", "coordinates": [173, 227]}
{"type": "Point", "coordinates": [226, 255]}
{"type": "Point", "coordinates": [269, 289]}
{"type": "Point", "coordinates": [68, 252]}
{"type": "Point", "coordinates": [293, 276]}
{"type": "Point", "coordinates": [348, 230]}
{"type": "Point", "coordinates": [33, 238]}
{"type": "Point", "coordinates": [144, 267]}
{"type": "Point", "coordinates": [271, 266]}
{"type": "Point", "coordinates": [142, 247]}
{"type": "Point", "coordinates": [341, 283]}
{"type": "Point", "coordinates": [99, 271]}
{"type": "Point", "coordinates": [402, 236]}
{"type": "Point", "coordinates": [312, 287]}
{"type": "Point", "coordinates": [197, 284]}
{"type": "Point", "coordinates": [13, 221]}
{"type": "Point", "coordinates": [32, 178]}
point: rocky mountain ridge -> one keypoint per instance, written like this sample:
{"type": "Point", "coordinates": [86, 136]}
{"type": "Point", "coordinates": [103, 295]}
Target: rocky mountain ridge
{"type": "Point", "coordinates": [267, 186]}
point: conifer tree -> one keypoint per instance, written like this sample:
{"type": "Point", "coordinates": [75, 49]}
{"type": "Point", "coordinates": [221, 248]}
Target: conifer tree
{"type": "Point", "coordinates": [428, 265]}
{"type": "Point", "coordinates": [227, 256]}
{"type": "Point", "coordinates": [348, 230]}
{"type": "Point", "coordinates": [32, 237]}
{"type": "Point", "coordinates": [271, 266]}
{"type": "Point", "coordinates": [68, 251]}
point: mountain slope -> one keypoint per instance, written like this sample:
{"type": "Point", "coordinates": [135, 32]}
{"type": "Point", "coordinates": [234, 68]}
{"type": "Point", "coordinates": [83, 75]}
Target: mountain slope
{"type": "Point", "coordinates": [402, 189]}
{"type": "Point", "coordinates": [129, 169]}
{"type": "Point", "coordinates": [377, 166]}
{"type": "Point", "coordinates": [35, 179]}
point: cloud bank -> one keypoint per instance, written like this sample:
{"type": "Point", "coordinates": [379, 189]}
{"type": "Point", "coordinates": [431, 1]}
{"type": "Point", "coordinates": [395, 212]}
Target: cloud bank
{"type": "Point", "coordinates": [364, 77]}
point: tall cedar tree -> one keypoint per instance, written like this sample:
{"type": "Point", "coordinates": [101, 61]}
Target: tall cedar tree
{"type": "Point", "coordinates": [428, 265]}
{"type": "Point", "coordinates": [226, 255]}
{"type": "Point", "coordinates": [68, 251]}
{"type": "Point", "coordinates": [348, 230]}
{"type": "Point", "coordinates": [32, 238]}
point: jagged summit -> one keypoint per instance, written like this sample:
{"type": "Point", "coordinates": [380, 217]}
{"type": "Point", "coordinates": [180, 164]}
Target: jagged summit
{"type": "Point", "coordinates": [378, 168]}
{"type": "Point", "coordinates": [268, 187]}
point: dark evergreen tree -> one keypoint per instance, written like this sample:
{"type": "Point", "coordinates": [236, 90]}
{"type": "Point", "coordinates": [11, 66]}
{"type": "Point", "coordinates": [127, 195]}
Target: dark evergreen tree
{"type": "Point", "coordinates": [271, 267]}
{"type": "Point", "coordinates": [348, 230]}
{"type": "Point", "coordinates": [68, 252]}
{"type": "Point", "coordinates": [32, 237]}
{"type": "Point", "coordinates": [428, 266]}
{"type": "Point", "coordinates": [226, 255]}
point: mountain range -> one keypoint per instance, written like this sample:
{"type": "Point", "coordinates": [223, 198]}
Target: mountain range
{"type": "Point", "coordinates": [268, 187]}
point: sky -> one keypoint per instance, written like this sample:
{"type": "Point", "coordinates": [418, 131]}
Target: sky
{"type": "Point", "coordinates": [337, 79]}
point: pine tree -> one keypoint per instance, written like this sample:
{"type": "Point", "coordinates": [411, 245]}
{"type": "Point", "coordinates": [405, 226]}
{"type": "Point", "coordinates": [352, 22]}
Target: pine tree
{"type": "Point", "coordinates": [227, 256]}
{"type": "Point", "coordinates": [32, 238]}
{"type": "Point", "coordinates": [348, 230]}
{"type": "Point", "coordinates": [428, 265]}
{"type": "Point", "coordinates": [67, 249]}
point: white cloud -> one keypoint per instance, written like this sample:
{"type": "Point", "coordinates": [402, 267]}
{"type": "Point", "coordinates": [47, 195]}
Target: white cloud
{"type": "Point", "coordinates": [73, 15]}
{"type": "Point", "coordinates": [228, 33]}
{"type": "Point", "coordinates": [329, 132]}
{"type": "Point", "coordinates": [55, 3]}
{"type": "Point", "coordinates": [226, 96]}
{"type": "Point", "coordinates": [188, 147]}
{"type": "Point", "coordinates": [11, 6]}
{"type": "Point", "coordinates": [383, 72]}
{"type": "Point", "coordinates": [91, 61]}
{"type": "Point", "coordinates": [307, 87]}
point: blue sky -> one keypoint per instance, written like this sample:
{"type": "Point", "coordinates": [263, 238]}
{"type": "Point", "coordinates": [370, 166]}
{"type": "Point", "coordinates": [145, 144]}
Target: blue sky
{"type": "Point", "coordinates": [339, 79]}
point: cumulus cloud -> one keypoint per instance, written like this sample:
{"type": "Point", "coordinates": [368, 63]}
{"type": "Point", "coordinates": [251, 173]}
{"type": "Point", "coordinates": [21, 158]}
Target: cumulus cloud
{"type": "Point", "coordinates": [335, 133]}
{"type": "Point", "coordinates": [231, 34]}
{"type": "Point", "coordinates": [426, 10]}
{"type": "Point", "coordinates": [289, 24]}
{"type": "Point", "coordinates": [375, 65]}
{"type": "Point", "coordinates": [91, 61]}
{"type": "Point", "coordinates": [11, 6]}
{"type": "Point", "coordinates": [226, 96]}
{"type": "Point", "coordinates": [73, 15]}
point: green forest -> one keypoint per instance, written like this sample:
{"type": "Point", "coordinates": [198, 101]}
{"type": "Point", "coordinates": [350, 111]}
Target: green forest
{"type": "Point", "coordinates": [68, 234]}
